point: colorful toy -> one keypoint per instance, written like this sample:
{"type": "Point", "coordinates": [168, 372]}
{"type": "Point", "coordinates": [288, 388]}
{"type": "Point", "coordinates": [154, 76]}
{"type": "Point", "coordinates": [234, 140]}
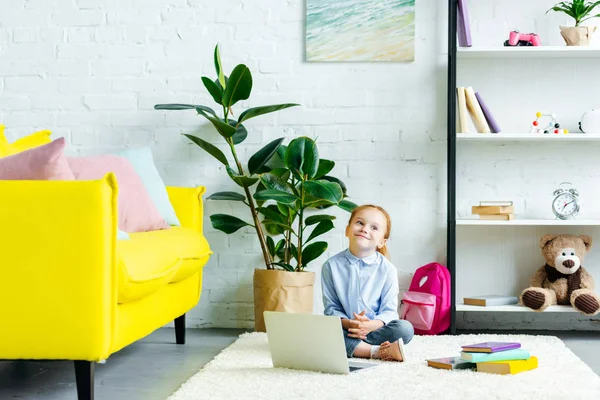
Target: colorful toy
{"type": "Point", "coordinates": [515, 38]}
{"type": "Point", "coordinates": [551, 127]}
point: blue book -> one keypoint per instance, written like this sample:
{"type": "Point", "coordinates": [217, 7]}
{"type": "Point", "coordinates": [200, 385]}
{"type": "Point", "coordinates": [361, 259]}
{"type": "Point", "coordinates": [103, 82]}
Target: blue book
{"type": "Point", "coordinates": [515, 354]}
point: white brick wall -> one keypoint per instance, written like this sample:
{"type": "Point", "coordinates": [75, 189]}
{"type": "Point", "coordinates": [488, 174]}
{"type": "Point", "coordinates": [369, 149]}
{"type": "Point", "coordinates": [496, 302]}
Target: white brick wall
{"type": "Point", "coordinates": [92, 71]}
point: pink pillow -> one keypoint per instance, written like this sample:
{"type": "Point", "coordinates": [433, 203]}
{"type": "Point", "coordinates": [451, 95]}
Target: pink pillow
{"type": "Point", "coordinates": [45, 162]}
{"type": "Point", "coordinates": [137, 212]}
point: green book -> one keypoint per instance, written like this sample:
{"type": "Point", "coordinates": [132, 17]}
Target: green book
{"type": "Point", "coordinates": [451, 363]}
{"type": "Point", "coordinates": [514, 354]}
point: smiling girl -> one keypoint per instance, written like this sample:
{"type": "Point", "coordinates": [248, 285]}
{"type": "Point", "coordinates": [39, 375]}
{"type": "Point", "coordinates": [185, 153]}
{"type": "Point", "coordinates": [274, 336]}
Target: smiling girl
{"type": "Point", "coordinates": [360, 285]}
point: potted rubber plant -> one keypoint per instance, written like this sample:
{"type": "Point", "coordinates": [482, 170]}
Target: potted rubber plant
{"type": "Point", "coordinates": [285, 188]}
{"type": "Point", "coordinates": [580, 11]}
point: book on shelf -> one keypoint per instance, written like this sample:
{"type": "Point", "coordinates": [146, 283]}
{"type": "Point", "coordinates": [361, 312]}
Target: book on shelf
{"type": "Point", "coordinates": [497, 217]}
{"type": "Point", "coordinates": [495, 203]}
{"type": "Point", "coordinates": [490, 347]}
{"type": "Point", "coordinates": [491, 210]}
{"type": "Point", "coordinates": [463, 26]}
{"type": "Point", "coordinates": [508, 367]}
{"type": "Point", "coordinates": [494, 127]}
{"type": "Point", "coordinates": [475, 111]}
{"type": "Point", "coordinates": [508, 355]}
{"type": "Point", "coordinates": [463, 114]}
{"type": "Point", "coordinates": [451, 363]}
{"type": "Point", "coordinates": [490, 300]}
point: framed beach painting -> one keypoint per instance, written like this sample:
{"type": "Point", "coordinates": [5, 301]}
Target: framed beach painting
{"type": "Point", "coordinates": [360, 30]}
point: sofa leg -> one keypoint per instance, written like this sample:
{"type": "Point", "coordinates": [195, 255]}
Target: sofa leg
{"type": "Point", "coordinates": [84, 376]}
{"type": "Point", "coordinates": [180, 329]}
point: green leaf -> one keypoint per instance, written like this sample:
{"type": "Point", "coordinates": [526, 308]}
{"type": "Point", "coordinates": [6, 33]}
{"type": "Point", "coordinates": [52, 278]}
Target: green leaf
{"type": "Point", "coordinates": [294, 251]}
{"type": "Point", "coordinates": [231, 196]}
{"type": "Point", "coordinates": [261, 157]}
{"type": "Point", "coordinates": [280, 249]}
{"type": "Point", "coordinates": [285, 266]}
{"type": "Point", "coordinates": [313, 219]}
{"type": "Point", "coordinates": [593, 16]}
{"type": "Point", "coordinates": [274, 182]}
{"type": "Point", "coordinates": [227, 223]}
{"type": "Point", "coordinates": [336, 180]}
{"type": "Point", "coordinates": [213, 89]}
{"type": "Point", "coordinates": [279, 224]}
{"type": "Point", "coordinates": [184, 107]}
{"type": "Point", "coordinates": [320, 190]}
{"type": "Point", "coordinates": [271, 212]}
{"type": "Point", "coordinates": [209, 148]}
{"type": "Point", "coordinates": [224, 129]}
{"type": "Point", "coordinates": [321, 228]}
{"type": "Point", "coordinates": [325, 166]}
{"type": "Point", "coordinates": [241, 180]}
{"type": "Point", "coordinates": [279, 245]}
{"type": "Point", "coordinates": [219, 67]}
{"type": "Point", "coordinates": [347, 205]}
{"type": "Point", "coordinates": [281, 152]}
{"type": "Point", "coordinates": [238, 87]}
{"type": "Point", "coordinates": [256, 111]}
{"type": "Point", "coordinates": [277, 195]}
{"type": "Point", "coordinates": [240, 132]}
{"type": "Point", "coordinates": [271, 246]}
{"type": "Point", "coordinates": [312, 251]}
{"type": "Point", "coordinates": [273, 229]}
{"type": "Point", "coordinates": [302, 157]}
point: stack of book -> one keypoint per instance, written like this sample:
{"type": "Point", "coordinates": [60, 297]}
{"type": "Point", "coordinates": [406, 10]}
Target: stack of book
{"type": "Point", "coordinates": [490, 300]}
{"type": "Point", "coordinates": [502, 358]}
{"type": "Point", "coordinates": [471, 103]}
{"type": "Point", "coordinates": [494, 210]}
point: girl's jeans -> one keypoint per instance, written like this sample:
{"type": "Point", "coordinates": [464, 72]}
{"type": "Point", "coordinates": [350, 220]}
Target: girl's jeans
{"type": "Point", "coordinates": [394, 330]}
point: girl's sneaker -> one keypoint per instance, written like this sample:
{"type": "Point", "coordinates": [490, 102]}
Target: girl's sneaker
{"type": "Point", "coordinates": [392, 351]}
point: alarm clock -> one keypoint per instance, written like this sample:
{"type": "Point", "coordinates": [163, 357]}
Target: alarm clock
{"type": "Point", "coordinates": [566, 202]}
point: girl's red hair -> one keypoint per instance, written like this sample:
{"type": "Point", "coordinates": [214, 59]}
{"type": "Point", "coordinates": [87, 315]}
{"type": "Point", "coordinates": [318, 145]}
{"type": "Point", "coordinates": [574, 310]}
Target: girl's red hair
{"type": "Point", "coordinates": [383, 250]}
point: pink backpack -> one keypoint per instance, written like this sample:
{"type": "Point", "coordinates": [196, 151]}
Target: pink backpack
{"type": "Point", "coordinates": [426, 304]}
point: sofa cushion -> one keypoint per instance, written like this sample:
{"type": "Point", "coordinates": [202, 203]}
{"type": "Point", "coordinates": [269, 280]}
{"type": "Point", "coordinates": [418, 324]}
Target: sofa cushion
{"type": "Point", "coordinates": [153, 259]}
{"type": "Point", "coordinates": [28, 142]}
{"type": "Point", "coordinates": [137, 212]}
{"type": "Point", "coordinates": [45, 162]}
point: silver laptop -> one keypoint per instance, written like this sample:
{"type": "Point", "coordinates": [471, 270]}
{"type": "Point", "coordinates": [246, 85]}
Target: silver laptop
{"type": "Point", "coordinates": [309, 342]}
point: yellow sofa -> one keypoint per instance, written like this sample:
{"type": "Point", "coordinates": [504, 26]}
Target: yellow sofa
{"type": "Point", "coordinates": [70, 291]}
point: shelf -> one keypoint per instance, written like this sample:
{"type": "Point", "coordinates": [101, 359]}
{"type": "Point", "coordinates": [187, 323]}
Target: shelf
{"type": "Point", "coordinates": [513, 308]}
{"type": "Point", "coordinates": [529, 222]}
{"type": "Point", "coordinates": [531, 52]}
{"type": "Point", "coordinates": [537, 137]}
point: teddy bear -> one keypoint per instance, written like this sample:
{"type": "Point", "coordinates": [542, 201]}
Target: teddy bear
{"type": "Point", "coordinates": [563, 280]}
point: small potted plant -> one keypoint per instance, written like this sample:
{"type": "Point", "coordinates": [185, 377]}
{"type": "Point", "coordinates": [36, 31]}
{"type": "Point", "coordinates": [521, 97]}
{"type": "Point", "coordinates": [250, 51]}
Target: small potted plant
{"type": "Point", "coordinates": [287, 182]}
{"type": "Point", "coordinates": [580, 11]}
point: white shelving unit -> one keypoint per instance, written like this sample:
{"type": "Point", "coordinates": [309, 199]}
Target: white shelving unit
{"type": "Point", "coordinates": [525, 137]}
{"type": "Point", "coordinates": [513, 308]}
{"type": "Point", "coordinates": [528, 222]}
{"type": "Point", "coordinates": [499, 257]}
{"type": "Point", "coordinates": [531, 52]}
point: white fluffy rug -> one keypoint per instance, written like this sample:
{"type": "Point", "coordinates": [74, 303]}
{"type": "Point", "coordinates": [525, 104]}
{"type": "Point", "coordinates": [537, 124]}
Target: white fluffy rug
{"type": "Point", "coordinates": [244, 371]}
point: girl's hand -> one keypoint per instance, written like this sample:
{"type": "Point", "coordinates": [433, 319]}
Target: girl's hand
{"type": "Point", "coordinates": [361, 316]}
{"type": "Point", "coordinates": [359, 329]}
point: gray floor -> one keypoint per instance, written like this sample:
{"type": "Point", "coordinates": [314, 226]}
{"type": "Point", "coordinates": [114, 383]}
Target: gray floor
{"type": "Point", "coordinates": [155, 367]}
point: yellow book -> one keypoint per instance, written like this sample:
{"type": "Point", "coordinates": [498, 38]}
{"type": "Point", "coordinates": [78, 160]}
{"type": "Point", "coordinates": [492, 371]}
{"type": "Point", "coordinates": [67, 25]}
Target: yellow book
{"type": "Point", "coordinates": [463, 115]}
{"type": "Point", "coordinates": [476, 112]}
{"type": "Point", "coordinates": [509, 367]}
{"type": "Point", "coordinates": [492, 210]}
{"type": "Point", "coordinates": [498, 217]}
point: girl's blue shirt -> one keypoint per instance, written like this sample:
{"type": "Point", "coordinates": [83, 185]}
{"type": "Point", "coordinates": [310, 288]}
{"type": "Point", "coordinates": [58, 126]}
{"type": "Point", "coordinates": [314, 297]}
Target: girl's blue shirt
{"type": "Point", "coordinates": [351, 285]}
